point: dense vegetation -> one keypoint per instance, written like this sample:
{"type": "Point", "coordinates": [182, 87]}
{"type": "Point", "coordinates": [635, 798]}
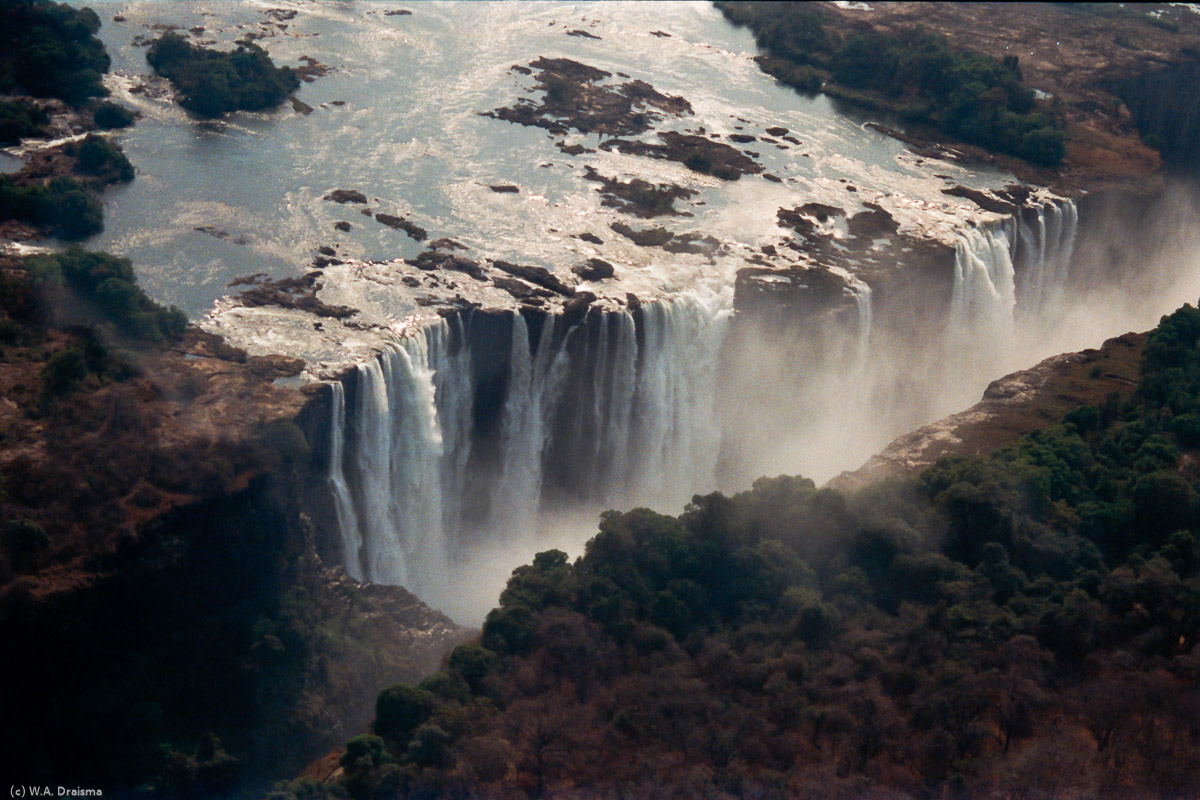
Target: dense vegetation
{"type": "Point", "coordinates": [19, 120]}
{"type": "Point", "coordinates": [211, 82]}
{"type": "Point", "coordinates": [1016, 625]}
{"type": "Point", "coordinates": [110, 115]}
{"type": "Point", "coordinates": [102, 288]}
{"type": "Point", "coordinates": [915, 74]}
{"type": "Point", "coordinates": [49, 49]}
{"type": "Point", "coordinates": [100, 158]}
{"type": "Point", "coordinates": [63, 206]}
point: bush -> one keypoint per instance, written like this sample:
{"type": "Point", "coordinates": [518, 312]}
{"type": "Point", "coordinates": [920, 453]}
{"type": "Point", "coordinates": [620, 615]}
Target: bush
{"type": "Point", "coordinates": [97, 156]}
{"type": "Point", "coordinates": [108, 116]}
{"type": "Point", "coordinates": [400, 709]}
{"type": "Point", "coordinates": [211, 82]}
{"type": "Point", "coordinates": [63, 372]}
{"type": "Point", "coordinates": [19, 120]}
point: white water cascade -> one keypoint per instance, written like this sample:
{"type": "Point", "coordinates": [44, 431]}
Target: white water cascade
{"type": "Point", "coordinates": [1012, 271]}
{"type": "Point", "coordinates": [617, 409]}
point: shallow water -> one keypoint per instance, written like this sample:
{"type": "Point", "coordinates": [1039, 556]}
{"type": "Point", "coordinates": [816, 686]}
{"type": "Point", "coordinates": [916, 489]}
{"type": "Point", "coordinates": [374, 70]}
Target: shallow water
{"type": "Point", "coordinates": [410, 136]}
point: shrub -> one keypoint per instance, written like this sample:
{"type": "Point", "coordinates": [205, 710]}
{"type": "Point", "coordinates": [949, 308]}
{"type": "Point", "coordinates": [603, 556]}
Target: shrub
{"type": "Point", "coordinates": [108, 116]}
{"type": "Point", "coordinates": [19, 120]}
{"type": "Point", "coordinates": [97, 156]}
{"type": "Point", "coordinates": [400, 709]}
{"type": "Point", "coordinates": [63, 372]}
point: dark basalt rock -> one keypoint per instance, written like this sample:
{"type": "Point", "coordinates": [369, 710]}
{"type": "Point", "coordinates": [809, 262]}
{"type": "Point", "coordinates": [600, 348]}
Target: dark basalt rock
{"type": "Point", "coordinates": [589, 237]}
{"type": "Point", "coordinates": [299, 293]}
{"type": "Point", "coordinates": [694, 152]}
{"type": "Point", "coordinates": [400, 223]}
{"type": "Point", "coordinates": [536, 275]}
{"type": "Point", "coordinates": [985, 200]}
{"type": "Point", "coordinates": [342, 225]}
{"type": "Point", "coordinates": [638, 197]}
{"type": "Point", "coordinates": [573, 98]}
{"type": "Point", "coordinates": [652, 237]}
{"type": "Point", "coordinates": [505, 188]}
{"type": "Point", "coordinates": [433, 259]}
{"type": "Point", "coordinates": [584, 34]}
{"type": "Point", "coordinates": [875, 223]}
{"type": "Point", "coordinates": [772, 178]}
{"type": "Point", "coordinates": [518, 288]}
{"type": "Point", "coordinates": [742, 138]}
{"type": "Point", "coordinates": [777, 131]}
{"type": "Point", "coordinates": [446, 244]}
{"type": "Point", "coordinates": [346, 196]}
{"type": "Point", "coordinates": [594, 269]}
{"type": "Point", "coordinates": [694, 243]}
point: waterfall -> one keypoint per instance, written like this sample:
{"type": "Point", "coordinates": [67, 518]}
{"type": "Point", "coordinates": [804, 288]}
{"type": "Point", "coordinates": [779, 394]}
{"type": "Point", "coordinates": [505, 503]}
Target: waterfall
{"type": "Point", "coordinates": [342, 504]}
{"type": "Point", "coordinates": [1018, 268]}
{"type": "Point", "coordinates": [617, 408]}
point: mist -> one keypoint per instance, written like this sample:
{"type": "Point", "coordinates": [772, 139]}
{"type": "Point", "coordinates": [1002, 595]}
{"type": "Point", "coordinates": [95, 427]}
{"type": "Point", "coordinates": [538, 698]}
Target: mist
{"type": "Point", "coordinates": [622, 409]}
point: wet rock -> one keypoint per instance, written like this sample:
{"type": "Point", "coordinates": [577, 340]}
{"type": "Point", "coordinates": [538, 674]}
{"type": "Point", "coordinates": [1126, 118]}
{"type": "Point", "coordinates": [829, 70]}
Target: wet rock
{"type": "Point", "coordinates": [694, 243]}
{"type": "Point", "coordinates": [413, 230]}
{"type": "Point", "coordinates": [398, 12]}
{"type": "Point", "coordinates": [638, 197]}
{"type": "Point", "coordinates": [742, 138]}
{"type": "Point", "coordinates": [326, 250]}
{"type": "Point", "coordinates": [346, 196]}
{"type": "Point", "coordinates": [505, 189]}
{"type": "Point", "coordinates": [584, 34]}
{"type": "Point", "coordinates": [298, 293]}
{"type": "Point", "coordinates": [777, 130]}
{"type": "Point", "coordinates": [694, 152]}
{"type": "Point", "coordinates": [575, 98]}
{"type": "Point", "coordinates": [874, 223]}
{"type": "Point", "coordinates": [594, 269]}
{"type": "Point", "coordinates": [660, 34]}
{"type": "Point", "coordinates": [432, 259]}
{"type": "Point", "coordinates": [342, 225]}
{"type": "Point", "coordinates": [985, 200]}
{"type": "Point", "coordinates": [409, 280]}
{"type": "Point", "coordinates": [652, 237]}
{"type": "Point", "coordinates": [518, 288]}
{"type": "Point", "coordinates": [536, 275]}
{"type": "Point", "coordinates": [772, 178]}
{"type": "Point", "coordinates": [446, 244]}
{"type": "Point", "coordinates": [573, 149]}
{"type": "Point", "coordinates": [589, 237]}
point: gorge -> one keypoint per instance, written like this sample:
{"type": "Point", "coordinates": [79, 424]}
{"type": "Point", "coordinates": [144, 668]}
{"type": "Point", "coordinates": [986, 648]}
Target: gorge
{"type": "Point", "coordinates": [494, 270]}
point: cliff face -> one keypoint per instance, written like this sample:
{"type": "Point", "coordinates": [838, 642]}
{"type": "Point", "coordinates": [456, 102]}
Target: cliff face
{"type": "Point", "coordinates": [167, 620]}
{"type": "Point", "coordinates": [1012, 406]}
